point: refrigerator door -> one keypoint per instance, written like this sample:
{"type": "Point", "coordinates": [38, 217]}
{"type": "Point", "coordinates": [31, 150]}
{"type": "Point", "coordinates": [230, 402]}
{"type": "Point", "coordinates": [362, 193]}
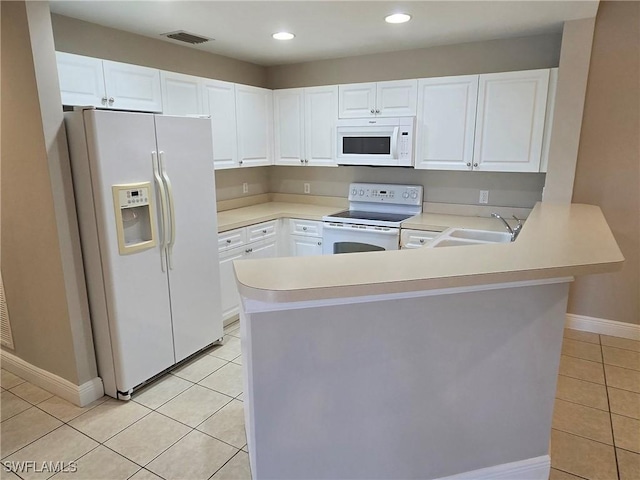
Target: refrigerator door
{"type": "Point", "coordinates": [186, 153]}
{"type": "Point", "coordinates": [120, 147]}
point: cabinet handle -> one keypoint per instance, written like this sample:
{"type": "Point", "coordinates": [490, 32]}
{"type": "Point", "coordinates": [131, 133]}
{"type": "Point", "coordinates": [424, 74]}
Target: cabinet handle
{"type": "Point", "coordinates": [228, 240]}
{"type": "Point", "coordinates": [422, 240]}
{"type": "Point", "coordinates": [306, 161]}
{"type": "Point", "coordinates": [248, 250]}
{"type": "Point", "coordinates": [111, 100]}
{"type": "Point", "coordinates": [468, 164]}
{"type": "Point", "coordinates": [319, 244]}
{"type": "Point", "coordinates": [304, 229]}
{"type": "Point", "coordinates": [301, 161]}
{"type": "Point", "coordinates": [240, 162]}
{"type": "Point", "coordinates": [373, 111]}
{"type": "Point", "coordinates": [264, 231]}
{"type": "Point", "coordinates": [104, 100]}
{"type": "Point", "coordinates": [475, 165]}
{"type": "Point", "coordinates": [377, 111]}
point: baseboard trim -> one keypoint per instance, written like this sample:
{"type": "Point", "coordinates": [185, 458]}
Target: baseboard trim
{"type": "Point", "coordinates": [603, 326]}
{"type": "Point", "coordinates": [536, 468]}
{"type": "Point", "coordinates": [79, 395]}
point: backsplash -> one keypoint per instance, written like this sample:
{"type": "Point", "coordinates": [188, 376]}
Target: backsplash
{"type": "Point", "coordinates": [505, 189]}
{"type": "Point", "coordinates": [229, 183]}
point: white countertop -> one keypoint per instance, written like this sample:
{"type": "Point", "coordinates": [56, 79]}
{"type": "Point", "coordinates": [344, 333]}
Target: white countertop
{"type": "Point", "coordinates": [556, 241]}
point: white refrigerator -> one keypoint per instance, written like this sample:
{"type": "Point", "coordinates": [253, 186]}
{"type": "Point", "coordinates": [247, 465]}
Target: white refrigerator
{"type": "Point", "coordinates": [145, 195]}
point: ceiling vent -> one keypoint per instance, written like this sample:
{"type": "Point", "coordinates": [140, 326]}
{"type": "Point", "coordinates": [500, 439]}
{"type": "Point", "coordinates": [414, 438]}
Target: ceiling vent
{"type": "Point", "coordinates": [186, 37]}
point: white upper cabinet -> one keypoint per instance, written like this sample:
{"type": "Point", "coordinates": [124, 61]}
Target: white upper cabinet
{"type": "Point", "coordinates": [81, 80]}
{"type": "Point", "coordinates": [304, 125]}
{"type": "Point", "coordinates": [254, 110]}
{"type": "Point", "coordinates": [131, 87]}
{"type": "Point", "coordinates": [446, 122]}
{"type": "Point", "coordinates": [320, 115]}
{"type": "Point", "coordinates": [357, 100]}
{"type": "Point", "coordinates": [548, 122]}
{"type": "Point", "coordinates": [181, 94]}
{"type": "Point", "coordinates": [397, 99]}
{"type": "Point", "coordinates": [219, 101]}
{"type": "Point", "coordinates": [383, 99]}
{"type": "Point", "coordinates": [87, 81]}
{"type": "Point", "coordinates": [288, 112]}
{"type": "Point", "coordinates": [510, 121]}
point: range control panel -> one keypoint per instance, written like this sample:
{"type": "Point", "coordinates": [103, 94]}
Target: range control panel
{"type": "Point", "coordinates": [386, 193]}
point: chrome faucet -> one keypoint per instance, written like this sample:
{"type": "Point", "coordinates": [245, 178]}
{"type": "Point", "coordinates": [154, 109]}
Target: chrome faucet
{"type": "Point", "coordinates": [513, 231]}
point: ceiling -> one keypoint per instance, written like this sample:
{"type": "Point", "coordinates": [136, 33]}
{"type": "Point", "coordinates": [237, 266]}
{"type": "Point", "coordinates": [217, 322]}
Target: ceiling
{"type": "Point", "coordinates": [327, 29]}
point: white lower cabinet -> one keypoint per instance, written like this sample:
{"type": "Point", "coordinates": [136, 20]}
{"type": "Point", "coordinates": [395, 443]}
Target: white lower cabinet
{"type": "Point", "coordinates": [305, 237]}
{"type": "Point", "coordinates": [300, 246]}
{"type": "Point", "coordinates": [416, 238]}
{"type": "Point", "coordinates": [254, 241]}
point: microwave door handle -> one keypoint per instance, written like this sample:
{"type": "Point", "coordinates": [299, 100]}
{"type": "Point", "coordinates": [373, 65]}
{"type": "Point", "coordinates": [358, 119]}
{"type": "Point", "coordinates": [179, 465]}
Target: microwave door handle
{"type": "Point", "coordinates": [394, 143]}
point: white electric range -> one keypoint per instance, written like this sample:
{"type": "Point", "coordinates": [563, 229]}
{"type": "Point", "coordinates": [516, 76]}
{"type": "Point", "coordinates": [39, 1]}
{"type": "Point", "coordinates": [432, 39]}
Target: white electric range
{"type": "Point", "coordinates": [372, 223]}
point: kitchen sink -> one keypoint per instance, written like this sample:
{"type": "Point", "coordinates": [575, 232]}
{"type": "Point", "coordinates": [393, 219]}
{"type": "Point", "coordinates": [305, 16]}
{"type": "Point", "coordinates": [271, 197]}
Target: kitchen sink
{"type": "Point", "coordinates": [458, 237]}
{"type": "Point", "coordinates": [480, 235]}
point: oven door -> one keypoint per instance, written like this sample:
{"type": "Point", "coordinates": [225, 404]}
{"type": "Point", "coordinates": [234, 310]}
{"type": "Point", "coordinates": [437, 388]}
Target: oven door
{"type": "Point", "coordinates": [349, 238]}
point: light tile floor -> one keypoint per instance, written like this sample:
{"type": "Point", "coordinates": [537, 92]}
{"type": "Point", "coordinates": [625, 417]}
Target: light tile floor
{"type": "Point", "coordinates": [190, 423]}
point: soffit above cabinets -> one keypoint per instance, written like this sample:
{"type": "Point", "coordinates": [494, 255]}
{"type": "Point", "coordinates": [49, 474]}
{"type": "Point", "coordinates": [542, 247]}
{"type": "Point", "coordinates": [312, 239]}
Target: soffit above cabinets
{"type": "Point", "coordinates": [327, 29]}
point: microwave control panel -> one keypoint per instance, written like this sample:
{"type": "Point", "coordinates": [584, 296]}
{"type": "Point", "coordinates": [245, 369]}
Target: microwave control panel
{"type": "Point", "coordinates": [404, 144]}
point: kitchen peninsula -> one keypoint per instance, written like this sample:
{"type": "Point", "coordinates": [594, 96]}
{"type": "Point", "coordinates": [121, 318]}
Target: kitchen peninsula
{"type": "Point", "coordinates": [424, 363]}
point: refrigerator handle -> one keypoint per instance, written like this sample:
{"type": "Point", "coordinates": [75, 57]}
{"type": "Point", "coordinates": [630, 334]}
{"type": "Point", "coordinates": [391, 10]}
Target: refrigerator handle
{"type": "Point", "coordinates": [163, 208]}
{"type": "Point", "coordinates": [172, 211]}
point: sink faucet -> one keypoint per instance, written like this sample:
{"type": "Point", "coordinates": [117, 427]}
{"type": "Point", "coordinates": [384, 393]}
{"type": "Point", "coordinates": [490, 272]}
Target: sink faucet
{"type": "Point", "coordinates": [513, 231]}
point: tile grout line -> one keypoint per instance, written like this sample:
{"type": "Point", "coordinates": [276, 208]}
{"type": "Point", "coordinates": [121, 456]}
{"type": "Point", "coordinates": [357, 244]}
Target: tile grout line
{"type": "Point", "coordinates": [222, 466]}
{"type": "Point", "coordinates": [613, 436]}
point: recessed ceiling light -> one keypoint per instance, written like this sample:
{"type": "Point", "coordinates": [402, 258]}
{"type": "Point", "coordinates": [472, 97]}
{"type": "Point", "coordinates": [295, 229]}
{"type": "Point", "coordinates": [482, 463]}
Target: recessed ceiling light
{"type": "Point", "coordinates": [283, 36]}
{"type": "Point", "coordinates": [397, 18]}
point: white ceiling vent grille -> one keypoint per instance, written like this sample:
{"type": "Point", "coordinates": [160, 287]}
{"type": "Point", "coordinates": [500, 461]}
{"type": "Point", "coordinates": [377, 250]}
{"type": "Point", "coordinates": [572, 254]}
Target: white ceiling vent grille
{"type": "Point", "coordinates": [186, 37]}
{"type": "Point", "coordinates": [6, 337]}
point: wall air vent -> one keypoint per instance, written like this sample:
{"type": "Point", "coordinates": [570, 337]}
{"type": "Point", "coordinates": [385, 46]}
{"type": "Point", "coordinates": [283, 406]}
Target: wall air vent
{"type": "Point", "coordinates": [187, 37]}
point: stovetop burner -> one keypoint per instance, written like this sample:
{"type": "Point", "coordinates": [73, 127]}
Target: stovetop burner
{"type": "Point", "coordinates": [375, 216]}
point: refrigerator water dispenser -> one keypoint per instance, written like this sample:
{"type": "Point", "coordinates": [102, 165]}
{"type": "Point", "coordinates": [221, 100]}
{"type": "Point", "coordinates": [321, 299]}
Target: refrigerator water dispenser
{"type": "Point", "coordinates": [134, 212]}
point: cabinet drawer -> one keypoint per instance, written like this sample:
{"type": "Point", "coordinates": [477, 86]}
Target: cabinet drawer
{"type": "Point", "coordinates": [231, 239]}
{"type": "Point", "coordinates": [261, 231]}
{"type": "Point", "coordinates": [416, 238]}
{"type": "Point", "coordinates": [308, 228]}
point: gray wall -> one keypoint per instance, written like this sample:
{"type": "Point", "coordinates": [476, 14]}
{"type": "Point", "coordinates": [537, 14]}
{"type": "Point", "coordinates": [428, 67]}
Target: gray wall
{"type": "Point", "coordinates": [524, 53]}
{"type": "Point", "coordinates": [41, 267]}
{"type": "Point", "coordinates": [84, 38]}
{"type": "Point", "coordinates": [608, 168]}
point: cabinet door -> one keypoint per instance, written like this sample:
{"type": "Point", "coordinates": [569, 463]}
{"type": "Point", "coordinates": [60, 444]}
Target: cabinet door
{"type": "Point", "coordinates": [302, 246]}
{"type": "Point", "coordinates": [510, 121]}
{"type": "Point", "coordinates": [288, 114]}
{"type": "Point", "coordinates": [548, 120]}
{"type": "Point", "coordinates": [132, 87]}
{"type": "Point", "coordinates": [254, 110]}
{"type": "Point", "coordinates": [397, 98]}
{"type": "Point", "coordinates": [181, 94]}
{"type": "Point", "coordinates": [268, 249]}
{"type": "Point", "coordinates": [321, 113]}
{"type": "Point", "coordinates": [219, 101]}
{"type": "Point", "coordinates": [357, 100]}
{"type": "Point", "coordinates": [446, 122]}
{"type": "Point", "coordinates": [81, 80]}
{"type": "Point", "coordinates": [229, 297]}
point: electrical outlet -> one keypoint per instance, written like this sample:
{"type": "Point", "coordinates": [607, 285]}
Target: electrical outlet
{"type": "Point", "coordinates": [484, 196]}
{"type": "Point", "coordinates": [307, 188]}
{"type": "Point", "coordinates": [245, 187]}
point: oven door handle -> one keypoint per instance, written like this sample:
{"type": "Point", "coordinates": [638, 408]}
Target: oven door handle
{"type": "Point", "coordinates": [368, 229]}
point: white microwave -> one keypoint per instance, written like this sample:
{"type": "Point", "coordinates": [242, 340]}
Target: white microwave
{"type": "Point", "coordinates": [376, 141]}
